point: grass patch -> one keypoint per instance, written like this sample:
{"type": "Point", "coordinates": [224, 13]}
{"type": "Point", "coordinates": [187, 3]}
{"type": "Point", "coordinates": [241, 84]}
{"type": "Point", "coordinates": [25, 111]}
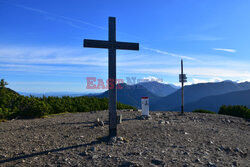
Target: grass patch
{"type": "Point", "coordinates": [204, 111]}
{"type": "Point", "coordinates": [3, 120]}
{"type": "Point", "coordinates": [52, 115]}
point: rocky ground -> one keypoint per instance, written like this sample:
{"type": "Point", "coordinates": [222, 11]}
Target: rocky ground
{"type": "Point", "coordinates": [165, 140]}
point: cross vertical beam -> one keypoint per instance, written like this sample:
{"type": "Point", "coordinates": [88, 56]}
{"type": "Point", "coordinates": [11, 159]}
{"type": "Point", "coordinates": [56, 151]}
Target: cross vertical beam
{"type": "Point", "coordinates": [112, 79]}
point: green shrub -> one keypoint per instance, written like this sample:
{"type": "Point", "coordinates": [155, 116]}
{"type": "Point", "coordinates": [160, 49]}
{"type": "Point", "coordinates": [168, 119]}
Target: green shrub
{"type": "Point", "coordinates": [121, 106]}
{"type": "Point", "coordinates": [33, 108]}
{"type": "Point", "coordinates": [237, 111]}
{"type": "Point", "coordinates": [2, 114]}
{"type": "Point", "coordinates": [13, 105]}
{"type": "Point", "coordinates": [204, 111]}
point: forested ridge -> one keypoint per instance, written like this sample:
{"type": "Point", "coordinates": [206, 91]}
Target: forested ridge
{"type": "Point", "coordinates": [13, 105]}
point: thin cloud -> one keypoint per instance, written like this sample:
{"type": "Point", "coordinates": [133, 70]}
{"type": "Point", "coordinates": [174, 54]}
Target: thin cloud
{"type": "Point", "coordinates": [71, 56]}
{"type": "Point", "coordinates": [243, 80]}
{"type": "Point", "coordinates": [31, 9]}
{"type": "Point", "coordinates": [52, 56]}
{"type": "Point", "coordinates": [84, 22]}
{"type": "Point", "coordinates": [168, 53]}
{"type": "Point", "coordinates": [196, 72]}
{"type": "Point", "coordinates": [197, 80]}
{"type": "Point", "coordinates": [225, 50]}
{"type": "Point", "coordinates": [199, 37]}
{"type": "Point", "coordinates": [60, 18]}
{"type": "Point", "coordinates": [152, 78]}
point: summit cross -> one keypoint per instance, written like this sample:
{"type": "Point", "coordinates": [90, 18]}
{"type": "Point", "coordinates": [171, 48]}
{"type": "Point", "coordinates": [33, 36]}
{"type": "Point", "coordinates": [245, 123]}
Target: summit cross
{"type": "Point", "coordinates": [112, 45]}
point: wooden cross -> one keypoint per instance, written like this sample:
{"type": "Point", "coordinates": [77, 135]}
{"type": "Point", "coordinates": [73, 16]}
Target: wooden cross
{"type": "Point", "coordinates": [182, 79]}
{"type": "Point", "coordinates": [111, 45]}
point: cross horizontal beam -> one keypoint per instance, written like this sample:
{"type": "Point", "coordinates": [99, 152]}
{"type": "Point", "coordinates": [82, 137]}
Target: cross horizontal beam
{"type": "Point", "coordinates": [96, 43]}
{"type": "Point", "coordinates": [107, 44]}
{"type": "Point", "coordinates": [127, 46]}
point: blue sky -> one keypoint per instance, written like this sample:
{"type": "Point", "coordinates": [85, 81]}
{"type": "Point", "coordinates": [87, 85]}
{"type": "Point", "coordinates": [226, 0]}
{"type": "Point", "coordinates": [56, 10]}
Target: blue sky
{"type": "Point", "coordinates": [41, 41]}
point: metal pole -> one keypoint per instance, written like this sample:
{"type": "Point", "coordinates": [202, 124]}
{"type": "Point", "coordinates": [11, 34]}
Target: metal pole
{"type": "Point", "coordinates": [182, 89]}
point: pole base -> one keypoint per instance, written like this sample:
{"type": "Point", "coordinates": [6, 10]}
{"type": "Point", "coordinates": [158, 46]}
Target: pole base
{"type": "Point", "coordinates": [181, 114]}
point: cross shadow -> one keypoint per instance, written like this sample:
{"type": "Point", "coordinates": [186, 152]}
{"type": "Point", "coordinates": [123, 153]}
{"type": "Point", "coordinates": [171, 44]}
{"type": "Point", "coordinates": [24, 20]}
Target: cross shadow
{"type": "Point", "coordinates": [76, 123]}
{"type": "Point", "coordinates": [128, 119]}
{"type": "Point", "coordinates": [67, 123]}
{"type": "Point", "coordinates": [98, 141]}
{"type": "Point", "coordinates": [73, 123]}
{"type": "Point", "coordinates": [63, 123]}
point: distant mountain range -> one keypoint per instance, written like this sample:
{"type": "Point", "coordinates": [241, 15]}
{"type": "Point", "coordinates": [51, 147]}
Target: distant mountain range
{"type": "Point", "coordinates": [131, 94]}
{"type": "Point", "coordinates": [165, 97]}
{"type": "Point", "coordinates": [213, 103]}
{"type": "Point", "coordinates": [160, 89]}
{"type": "Point", "coordinates": [196, 92]}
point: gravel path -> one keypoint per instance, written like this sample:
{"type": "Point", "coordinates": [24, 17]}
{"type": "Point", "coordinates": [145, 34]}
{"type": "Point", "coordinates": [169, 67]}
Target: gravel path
{"type": "Point", "coordinates": [165, 140]}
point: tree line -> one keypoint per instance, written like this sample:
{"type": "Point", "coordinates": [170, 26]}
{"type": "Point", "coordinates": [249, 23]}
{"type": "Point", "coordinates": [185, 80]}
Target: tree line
{"type": "Point", "coordinates": [13, 105]}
